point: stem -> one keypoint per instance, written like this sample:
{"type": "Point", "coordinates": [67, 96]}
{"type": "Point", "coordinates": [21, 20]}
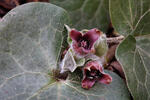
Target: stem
{"type": "Point", "coordinates": [115, 40]}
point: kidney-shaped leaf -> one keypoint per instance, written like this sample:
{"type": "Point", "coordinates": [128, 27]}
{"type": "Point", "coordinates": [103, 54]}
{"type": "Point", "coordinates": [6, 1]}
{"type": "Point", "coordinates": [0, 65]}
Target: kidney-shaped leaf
{"type": "Point", "coordinates": [130, 16]}
{"type": "Point", "coordinates": [134, 55]}
{"type": "Point", "coordinates": [86, 14]}
{"type": "Point", "coordinates": [31, 37]}
{"type": "Point", "coordinates": [30, 42]}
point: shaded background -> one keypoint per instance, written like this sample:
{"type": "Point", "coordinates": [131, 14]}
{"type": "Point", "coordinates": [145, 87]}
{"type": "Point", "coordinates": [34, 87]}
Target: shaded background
{"type": "Point", "coordinates": [7, 5]}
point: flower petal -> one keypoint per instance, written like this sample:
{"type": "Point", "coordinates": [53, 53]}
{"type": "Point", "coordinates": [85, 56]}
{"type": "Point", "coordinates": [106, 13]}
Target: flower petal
{"type": "Point", "coordinates": [92, 35]}
{"type": "Point", "coordinates": [87, 83]}
{"type": "Point", "coordinates": [105, 79]}
{"type": "Point", "coordinates": [92, 65]}
{"type": "Point", "coordinates": [75, 35]}
{"type": "Point", "coordinates": [78, 50]}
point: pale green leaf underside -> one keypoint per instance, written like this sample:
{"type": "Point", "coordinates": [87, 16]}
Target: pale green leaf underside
{"type": "Point", "coordinates": [130, 16]}
{"type": "Point", "coordinates": [86, 14]}
{"type": "Point", "coordinates": [134, 55]}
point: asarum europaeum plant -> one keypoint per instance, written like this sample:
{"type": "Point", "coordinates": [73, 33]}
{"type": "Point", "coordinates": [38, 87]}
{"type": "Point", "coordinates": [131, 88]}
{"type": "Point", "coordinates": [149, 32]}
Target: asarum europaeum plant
{"type": "Point", "coordinates": [32, 36]}
{"type": "Point", "coordinates": [87, 49]}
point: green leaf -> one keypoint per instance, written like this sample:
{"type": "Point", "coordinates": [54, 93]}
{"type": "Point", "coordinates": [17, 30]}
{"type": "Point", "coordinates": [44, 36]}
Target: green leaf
{"type": "Point", "coordinates": [71, 90]}
{"type": "Point", "coordinates": [86, 14]}
{"type": "Point", "coordinates": [134, 55]}
{"type": "Point", "coordinates": [130, 16]}
{"type": "Point", "coordinates": [31, 35]}
{"type": "Point", "coordinates": [31, 38]}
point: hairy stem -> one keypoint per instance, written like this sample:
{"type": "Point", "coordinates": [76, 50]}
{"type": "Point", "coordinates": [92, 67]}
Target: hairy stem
{"type": "Point", "coordinates": [115, 40]}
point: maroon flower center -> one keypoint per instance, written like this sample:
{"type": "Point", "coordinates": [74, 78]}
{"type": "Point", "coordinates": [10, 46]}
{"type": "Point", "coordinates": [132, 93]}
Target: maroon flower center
{"type": "Point", "coordinates": [84, 44]}
{"type": "Point", "coordinates": [93, 74]}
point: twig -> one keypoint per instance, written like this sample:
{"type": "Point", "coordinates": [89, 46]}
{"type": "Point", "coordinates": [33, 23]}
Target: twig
{"type": "Point", "coordinates": [116, 65]}
{"type": "Point", "coordinates": [111, 53]}
{"type": "Point", "coordinates": [115, 40]}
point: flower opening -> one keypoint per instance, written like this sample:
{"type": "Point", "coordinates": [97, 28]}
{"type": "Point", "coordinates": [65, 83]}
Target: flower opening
{"type": "Point", "coordinates": [93, 72]}
{"type": "Point", "coordinates": [84, 43]}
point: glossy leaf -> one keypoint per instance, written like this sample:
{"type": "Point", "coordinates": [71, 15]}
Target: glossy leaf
{"type": "Point", "coordinates": [134, 55]}
{"type": "Point", "coordinates": [130, 16]}
{"type": "Point", "coordinates": [86, 14]}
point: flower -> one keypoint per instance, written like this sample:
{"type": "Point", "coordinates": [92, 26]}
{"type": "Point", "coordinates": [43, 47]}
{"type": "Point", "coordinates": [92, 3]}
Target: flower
{"type": "Point", "coordinates": [93, 72]}
{"type": "Point", "coordinates": [84, 43]}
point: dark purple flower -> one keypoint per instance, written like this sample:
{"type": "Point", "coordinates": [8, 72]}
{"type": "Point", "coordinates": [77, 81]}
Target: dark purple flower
{"type": "Point", "coordinates": [93, 72]}
{"type": "Point", "coordinates": [84, 43]}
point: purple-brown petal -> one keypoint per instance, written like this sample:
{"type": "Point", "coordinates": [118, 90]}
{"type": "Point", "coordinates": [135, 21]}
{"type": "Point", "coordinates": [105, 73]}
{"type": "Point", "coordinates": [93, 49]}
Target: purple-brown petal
{"type": "Point", "coordinates": [83, 44]}
{"type": "Point", "coordinates": [91, 36]}
{"type": "Point", "coordinates": [93, 72]}
{"type": "Point", "coordinates": [81, 50]}
{"type": "Point", "coordinates": [87, 83]}
{"type": "Point", "coordinates": [75, 35]}
{"type": "Point", "coordinates": [92, 65]}
{"type": "Point", "coordinates": [105, 79]}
